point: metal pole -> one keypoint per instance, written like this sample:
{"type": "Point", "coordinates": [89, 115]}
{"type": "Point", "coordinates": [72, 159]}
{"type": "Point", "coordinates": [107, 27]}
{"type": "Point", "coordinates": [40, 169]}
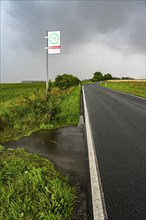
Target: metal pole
{"type": "Point", "coordinates": [47, 79]}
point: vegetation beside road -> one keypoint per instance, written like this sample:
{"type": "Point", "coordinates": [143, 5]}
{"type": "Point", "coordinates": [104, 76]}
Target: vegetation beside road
{"type": "Point", "coordinates": [24, 110]}
{"type": "Point", "coordinates": [30, 188]}
{"type": "Point", "coordinates": [66, 80]}
{"type": "Point", "coordinates": [70, 109]}
{"type": "Point", "coordinates": [135, 87]}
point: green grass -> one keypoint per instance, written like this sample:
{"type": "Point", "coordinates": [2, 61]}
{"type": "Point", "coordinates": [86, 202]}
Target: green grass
{"type": "Point", "coordinates": [18, 90]}
{"type": "Point", "coordinates": [30, 188]}
{"type": "Point", "coordinates": [133, 87]}
{"type": "Point", "coordinates": [70, 108]}
{"type": "Point", "coordinates": [29, 110]}
{"type": "Point", "coordinates": [27, 114]}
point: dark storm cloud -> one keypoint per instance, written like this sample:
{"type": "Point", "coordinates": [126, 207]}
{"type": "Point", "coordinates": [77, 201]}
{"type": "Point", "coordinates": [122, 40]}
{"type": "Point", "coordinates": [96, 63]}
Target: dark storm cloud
{"type": "Point", "coordinates": [33, 18]}
{"type": "Point", "coordinates": [118, 24]}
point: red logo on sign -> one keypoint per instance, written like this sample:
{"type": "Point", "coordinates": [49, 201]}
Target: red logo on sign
{"type": "Point", "coordinates": [54, 47]}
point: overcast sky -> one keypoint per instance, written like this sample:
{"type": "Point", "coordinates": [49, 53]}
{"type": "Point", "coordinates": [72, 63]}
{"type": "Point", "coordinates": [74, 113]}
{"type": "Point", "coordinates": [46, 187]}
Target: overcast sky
{"type": "Point", "coordinates": [105, 36]}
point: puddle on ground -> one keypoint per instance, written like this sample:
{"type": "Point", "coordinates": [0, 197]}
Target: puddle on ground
{"type": "Point", "coordinates": [66, 148]}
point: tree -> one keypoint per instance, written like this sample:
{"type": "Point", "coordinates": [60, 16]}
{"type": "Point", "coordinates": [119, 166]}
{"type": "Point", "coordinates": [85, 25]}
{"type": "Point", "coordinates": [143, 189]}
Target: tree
{"type": "Point", "coordinates": [97, 77]}
{"type": "Point", "coordinates": [66, 80]}
{"type": "Point", "coordinates": [107, 76]}
{"type": "Point", "coordinates": [127, 78]}
{"type": "Point", "coordinates": [57, 80]}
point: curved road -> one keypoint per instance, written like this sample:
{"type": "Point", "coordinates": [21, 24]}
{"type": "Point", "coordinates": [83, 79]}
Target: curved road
{"type": "Point", "coordinates": [118, 124]}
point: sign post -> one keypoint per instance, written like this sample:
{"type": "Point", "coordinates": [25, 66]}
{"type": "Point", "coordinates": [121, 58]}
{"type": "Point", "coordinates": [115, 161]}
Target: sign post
{"type": "Point", "coordinates": [53, 47]}
{"type": "Point", "coordinates": [54, 42]}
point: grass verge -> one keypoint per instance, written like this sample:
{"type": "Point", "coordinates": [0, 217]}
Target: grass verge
{"type": "Point", "coordinates": [21, 116]}
{"type": "Point", "coordinates": [30, 188]}
{"type": "Point", "coordinates": [134, 87]}
{"type": "Point", "coordinates": [70, 109]}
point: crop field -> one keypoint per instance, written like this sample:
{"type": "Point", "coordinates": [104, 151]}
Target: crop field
{"type": "Point", "coordinates": [135, 87]}
{"type": "Point", "coordinates": [10, 92]}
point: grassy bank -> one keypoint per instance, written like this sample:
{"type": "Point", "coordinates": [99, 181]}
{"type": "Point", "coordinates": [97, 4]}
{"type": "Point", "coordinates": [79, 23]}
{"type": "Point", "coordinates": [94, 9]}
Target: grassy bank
{"type": "Point", "coordinates": [135, 87]}
{"type": "Point", "coordinates": [30, 188]}
{"type": "Point", "coordinates": [70, 109]}
{"type": "Point", "coordinates": [27, 109]}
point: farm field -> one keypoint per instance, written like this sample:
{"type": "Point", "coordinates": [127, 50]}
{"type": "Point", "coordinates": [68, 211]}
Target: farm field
{"type": "Point", "coordinates": [11, 91]}
{"type": "Point", "coordinates": [135, 87]}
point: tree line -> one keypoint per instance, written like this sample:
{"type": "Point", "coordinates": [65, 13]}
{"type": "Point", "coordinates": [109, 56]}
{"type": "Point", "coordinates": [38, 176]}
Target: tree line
{"type": "Point", "coordinates": [65, 81]}
{"type": "Point", "coordinates": [98, 76]}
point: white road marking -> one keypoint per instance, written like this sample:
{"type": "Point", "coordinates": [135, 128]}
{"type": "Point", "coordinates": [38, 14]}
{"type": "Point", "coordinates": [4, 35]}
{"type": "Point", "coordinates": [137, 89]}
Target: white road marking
{"type": "Point", "coordinates": [99, 211]}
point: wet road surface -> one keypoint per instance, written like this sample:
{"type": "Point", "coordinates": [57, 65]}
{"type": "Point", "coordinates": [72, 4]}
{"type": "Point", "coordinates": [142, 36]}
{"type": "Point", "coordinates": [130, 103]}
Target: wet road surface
{"type": "Point", "coordinates": [118, 124]}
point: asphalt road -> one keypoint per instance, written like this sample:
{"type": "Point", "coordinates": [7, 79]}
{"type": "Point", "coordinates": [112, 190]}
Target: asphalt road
{"type": "Point", "coordinates": [118, 124]}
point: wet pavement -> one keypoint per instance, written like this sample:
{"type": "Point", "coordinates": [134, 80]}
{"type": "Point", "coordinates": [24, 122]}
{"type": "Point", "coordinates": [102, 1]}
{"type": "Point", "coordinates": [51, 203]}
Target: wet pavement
{"type": "Point", "coordinates": [66, 148]}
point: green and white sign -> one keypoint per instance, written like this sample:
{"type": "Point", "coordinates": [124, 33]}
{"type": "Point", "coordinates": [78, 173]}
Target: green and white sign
{"type": "Point", "coordinates": [54, 42]}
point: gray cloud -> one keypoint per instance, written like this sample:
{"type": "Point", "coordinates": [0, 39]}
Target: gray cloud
{"type": "Point", "coordinates": [80, 21]}
{"type": "Point", "coordinates": [93, 33]}
{"type": "Point", "coordinates": [118, 23]}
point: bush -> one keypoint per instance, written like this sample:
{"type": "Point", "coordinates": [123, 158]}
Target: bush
{"type": "Point", "coordinates": [66, 80]}
{"type": "Point", "coordinates": [40, 108]}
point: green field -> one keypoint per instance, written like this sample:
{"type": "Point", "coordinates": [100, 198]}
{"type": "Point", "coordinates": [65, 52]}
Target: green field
{"type": "Point", "coordinates": [10, 92]}
{"type": "Point", "coordinates": [135, 87]}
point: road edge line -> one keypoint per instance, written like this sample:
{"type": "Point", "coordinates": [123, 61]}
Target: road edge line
{"type": "Point", "coordinates": [99, 209]}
